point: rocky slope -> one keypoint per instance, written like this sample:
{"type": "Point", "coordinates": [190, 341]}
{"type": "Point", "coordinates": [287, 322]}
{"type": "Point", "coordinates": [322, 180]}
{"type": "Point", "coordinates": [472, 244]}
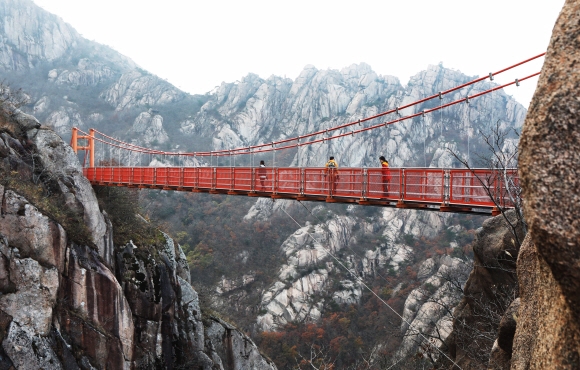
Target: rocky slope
{"type": "Point", "coordinates": [305, 274]}
{"type": "Point", "coordinates": [70, 297]}
{"type": "Point", "coordinates": [258, 111]}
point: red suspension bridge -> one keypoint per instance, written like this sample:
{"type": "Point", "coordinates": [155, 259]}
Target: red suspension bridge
{"type": "Point", "coordinates": [480, 191]}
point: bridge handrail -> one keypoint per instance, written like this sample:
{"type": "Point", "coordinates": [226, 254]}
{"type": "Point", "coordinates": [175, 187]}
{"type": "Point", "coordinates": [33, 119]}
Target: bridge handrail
{"type": "Point", "coordinates": [448, 187]}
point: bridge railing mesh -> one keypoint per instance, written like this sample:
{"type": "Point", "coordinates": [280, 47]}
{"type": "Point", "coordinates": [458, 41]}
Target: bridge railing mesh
{"type": "Point", "coordinates": [424, 185]}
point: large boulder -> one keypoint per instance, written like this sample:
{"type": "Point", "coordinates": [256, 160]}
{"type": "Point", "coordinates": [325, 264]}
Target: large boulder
{"type": "Point", "coordinates": [546, 324]}
{"type": "Point", "coordinates": [550, 152]}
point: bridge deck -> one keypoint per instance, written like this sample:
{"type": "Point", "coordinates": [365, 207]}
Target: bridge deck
{"type": "Point", "coordinates": [433, 189]}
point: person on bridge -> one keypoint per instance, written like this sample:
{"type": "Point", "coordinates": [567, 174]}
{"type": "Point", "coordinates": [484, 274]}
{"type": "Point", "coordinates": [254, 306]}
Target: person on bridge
{"type": "Point", "coordinates": [332, 172]}
{"type": "Point", "coordinates": [262, 175]}
{"type": "Point", "coordinates": [386, 175]}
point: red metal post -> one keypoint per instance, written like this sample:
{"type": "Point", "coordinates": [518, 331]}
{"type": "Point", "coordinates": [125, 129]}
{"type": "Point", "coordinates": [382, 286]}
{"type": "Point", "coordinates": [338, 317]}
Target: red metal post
{"type": "Point", "coordinates": [74, 138]}
{"type": "Point", "coordinates": [92, 148]}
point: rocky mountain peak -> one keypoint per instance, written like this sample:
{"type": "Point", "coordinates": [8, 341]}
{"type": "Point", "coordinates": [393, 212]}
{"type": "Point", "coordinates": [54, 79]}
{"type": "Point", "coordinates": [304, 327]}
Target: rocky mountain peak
{"type": "Point", "coordinates": [30, 35]}
{"type": "Point", "coordinates": [361, 74]}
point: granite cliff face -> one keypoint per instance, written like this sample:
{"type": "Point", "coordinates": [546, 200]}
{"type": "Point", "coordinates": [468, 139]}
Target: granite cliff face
{"type": "Point", "coordinates": [548, 328]}
{"type": "Point", "coordinates": [254, 110]}
{"type": "Point", "coordinates": [43, 36]}
{"type": "Point", "coordinates": [309, 269]}
{"type": "Point", "coordinates": [72, 299]}
{"type": "Point", "coordinates": [38, 46]}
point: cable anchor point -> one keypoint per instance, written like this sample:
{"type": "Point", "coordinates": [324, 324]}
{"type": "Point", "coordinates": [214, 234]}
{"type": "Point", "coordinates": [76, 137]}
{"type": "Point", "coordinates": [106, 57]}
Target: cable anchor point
{"type": "Point", "coordinates": [491, 76]}
{"type": "Point", "coordinates": [440, 95]}
{"type": "Point", "coordinates": [467, 99]}
{"type": "Point", "coordinates": [517, 82]}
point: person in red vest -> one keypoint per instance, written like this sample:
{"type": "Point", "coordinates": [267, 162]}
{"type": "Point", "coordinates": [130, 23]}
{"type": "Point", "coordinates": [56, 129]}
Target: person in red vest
{"type": "Point", "coordinates": [386, 175]}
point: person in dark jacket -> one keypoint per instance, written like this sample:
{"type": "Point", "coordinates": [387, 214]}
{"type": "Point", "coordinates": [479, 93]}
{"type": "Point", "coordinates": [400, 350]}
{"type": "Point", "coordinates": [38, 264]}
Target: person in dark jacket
{"type": "Point", "coordinates": [262, 175]}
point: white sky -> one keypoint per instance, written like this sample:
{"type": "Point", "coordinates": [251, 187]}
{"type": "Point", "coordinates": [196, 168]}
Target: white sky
{"type": "Point", "coordinates": [197, 44]}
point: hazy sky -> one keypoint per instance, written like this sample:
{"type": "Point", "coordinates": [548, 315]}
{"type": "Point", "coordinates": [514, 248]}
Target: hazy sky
{"type": "Point", "coordinates": [198, 44]}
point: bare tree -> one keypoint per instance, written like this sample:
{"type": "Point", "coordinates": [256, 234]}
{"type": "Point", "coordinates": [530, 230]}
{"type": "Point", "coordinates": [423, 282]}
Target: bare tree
{"type": "Point", "coordinates": [501, 184]}
{"type": "Point", "coordinates": [317, 359]}
{"type": "Point", "coordinates": [474, 316]}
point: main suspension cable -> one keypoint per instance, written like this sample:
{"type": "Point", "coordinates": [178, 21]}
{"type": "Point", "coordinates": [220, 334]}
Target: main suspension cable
{"type": "Point", "coordinates": [273, 146]}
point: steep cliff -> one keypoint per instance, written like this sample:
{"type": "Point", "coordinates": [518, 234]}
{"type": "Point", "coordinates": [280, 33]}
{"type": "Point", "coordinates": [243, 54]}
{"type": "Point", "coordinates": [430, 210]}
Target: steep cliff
{"type": "Point", "coordinates": [548, 327]}
{"type": "Point", "coordinates": [70, 297]}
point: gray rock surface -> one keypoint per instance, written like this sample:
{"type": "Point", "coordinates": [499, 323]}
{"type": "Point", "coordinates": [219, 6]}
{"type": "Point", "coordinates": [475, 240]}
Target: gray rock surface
{"type": "Point", "coordinates": [20, 32]}
{"type": "Point", "coordinates": [235, 349]}
{"type": "Point", "coordinates": [64, 304]}
{"type": "Point", "coordinates": [59, 160]}
{"type": "Point", "coordinates": [501, 352]}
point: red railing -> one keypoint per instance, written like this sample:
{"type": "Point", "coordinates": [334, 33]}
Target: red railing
{"type": "Point", "coordinates": [459, 188]}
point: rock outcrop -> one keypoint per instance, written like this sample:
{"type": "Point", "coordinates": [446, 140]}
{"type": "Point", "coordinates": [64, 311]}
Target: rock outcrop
{"type": "Point", "coordinates": [502, 350]}
{"type": "Point", "coordinates": [133, 89]}
{"type": "Point", "coordinates": [310, 272]}
{"type": "Point", "coordinates": [70, 298]}
{"type": "Point", "coordinates": [428, 308]}
{"type": "Point", "coordinates": [20, 32]}
{"type": "Point", "coordinates": [148, 127]}
{"type": "Point", "coordinates": [255, 110]}
{"type": "Point", "coordinates": [489, 291]}
{"type": "Point", "coordinates": [548, 328]}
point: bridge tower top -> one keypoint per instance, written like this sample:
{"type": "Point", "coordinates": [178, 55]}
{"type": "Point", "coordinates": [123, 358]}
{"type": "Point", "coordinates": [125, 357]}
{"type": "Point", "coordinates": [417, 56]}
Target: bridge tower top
{"type": "Point", "coordinates": [89, 145]}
